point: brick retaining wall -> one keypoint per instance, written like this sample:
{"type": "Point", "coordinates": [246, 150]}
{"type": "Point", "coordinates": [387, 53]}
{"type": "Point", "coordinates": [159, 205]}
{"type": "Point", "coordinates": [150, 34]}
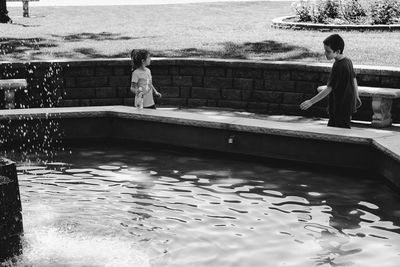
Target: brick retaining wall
{"type": "Point", "coordinates": [262, 87]}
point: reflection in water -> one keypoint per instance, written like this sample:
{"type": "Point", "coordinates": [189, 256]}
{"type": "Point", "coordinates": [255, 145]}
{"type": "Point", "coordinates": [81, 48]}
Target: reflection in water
{"type": "Point", "coordinates": [118, 206]}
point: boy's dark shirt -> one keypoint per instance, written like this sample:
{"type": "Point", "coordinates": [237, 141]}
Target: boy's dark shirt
{"type": "Point", "coordinates": [342, 100]}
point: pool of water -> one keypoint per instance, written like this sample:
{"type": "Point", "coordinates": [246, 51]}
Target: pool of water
{"type": "Point", "coordinates": [115, 205]}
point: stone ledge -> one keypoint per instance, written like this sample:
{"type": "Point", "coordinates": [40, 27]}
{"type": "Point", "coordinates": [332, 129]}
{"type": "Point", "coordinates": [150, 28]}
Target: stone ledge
{"type": "Point", "coordinates": [280, 23]}
{"type": "Point", "coordinates": [368, 140]}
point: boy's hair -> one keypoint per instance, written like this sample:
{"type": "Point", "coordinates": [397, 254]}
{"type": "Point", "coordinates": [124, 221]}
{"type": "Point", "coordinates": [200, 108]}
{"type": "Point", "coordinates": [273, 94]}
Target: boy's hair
{"type": "Point", "coordinates": [335, 42]}
{"type": "Point", "coordinates": [137, 56]}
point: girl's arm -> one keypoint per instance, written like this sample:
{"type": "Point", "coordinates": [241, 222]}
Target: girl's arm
{"type": "Point", "coordinates": [321, 95]}
{"type": "Point", "coordinates": [134, 88]}
{"type": "Point", "coordinates": [154, 90]}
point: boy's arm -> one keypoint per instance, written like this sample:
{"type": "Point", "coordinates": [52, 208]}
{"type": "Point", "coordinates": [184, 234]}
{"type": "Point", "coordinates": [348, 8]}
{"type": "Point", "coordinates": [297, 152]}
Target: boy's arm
{"type": "Point", "coordinates": [358, 100]}
{"type": "Point", "coordinates": [321, 95]}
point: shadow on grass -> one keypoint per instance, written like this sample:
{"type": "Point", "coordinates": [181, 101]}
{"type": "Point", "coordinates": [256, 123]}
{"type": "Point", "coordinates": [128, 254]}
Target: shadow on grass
{"type": "Point", "coordinates": [103, 36]}
{"type": "Point", "coordinates": [265, 50]}
{"type": "Point", "coordinates": [20, 47]}
{"type": "Point", "coordinates": [36, 48]}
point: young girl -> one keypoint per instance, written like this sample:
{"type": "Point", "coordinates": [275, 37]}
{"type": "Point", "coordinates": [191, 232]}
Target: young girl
{"type": "Point", "coordinates": [141, 83]}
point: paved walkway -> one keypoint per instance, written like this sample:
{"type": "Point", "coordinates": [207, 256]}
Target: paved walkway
{"type": "Point", "coordinates": [125, 2]}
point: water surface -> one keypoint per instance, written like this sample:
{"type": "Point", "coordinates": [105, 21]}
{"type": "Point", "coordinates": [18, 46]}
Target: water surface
{"type": "Point", "coordinates": [141, 206]}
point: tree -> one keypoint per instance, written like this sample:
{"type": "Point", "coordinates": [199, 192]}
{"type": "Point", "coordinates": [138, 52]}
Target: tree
{"type": "Point", "coordinates": [4, 18]}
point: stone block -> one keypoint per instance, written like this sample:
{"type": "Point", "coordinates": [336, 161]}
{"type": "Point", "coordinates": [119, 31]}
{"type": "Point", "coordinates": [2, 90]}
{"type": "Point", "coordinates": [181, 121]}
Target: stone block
{"type": "Point", "coordinates": [242, 83]}
{"type": "Point", "coordinates": [69, 103]}
{"type": "Point", "coordinates": [161, 80]}
{"type": "Point", "coordinates": [80, 93]}
{"type": "Point", "coordinates": [305, 76]}
{"type": "Point", "coordinates": [92, 82]}
{"type": "Point", "coordinates": [120, 81]}
{"type": "Point", "coordinates": [288, 109]}
{"type": "Point", "coordinates": [229, 73]}
{"type": "Point", "coordinates": [232, 104]}
{"type": "Point", "coordinates": [274, 109]}
{"type": "Point", "coordinates": [218, 82]}
{"type": "Point", "coordinates": [174, 102]}
{"type": "Point", "coordinates": [258, 107]}
{"type": "Point", "coordinates": [201, 93]}
{"type": "Point", "coordinates": [266, 96]}
{"type": "Point", "coordinates": [197, 81]}
{"type": "Point", "coordinates": [284, 86]}
{"type": "Point", "coordinates": [103, 71]}
{"type": "Point", "coordinates": [173, 70]}
{"type": "Point", "coordinates": [392, 82]}
{"type": "Point", "coordinates": [212, 103]}
{"type": "Point", "coordinates": [247, 73]}
{"type": "Point", "coordinates": [185, 91]}
{"type": "Point", "coordinates": [121, 71]}
{"type": "Point", "coordinates": [124, 92]}
{"type": "Point", "coordinates": [106, 92]}
{"type": "Point", "coordinates": [259, 84]}
{"type": "Point", "coordinates": [323, 78]}
{"type": "Point", "coordinates": [69, 82]}
{"type": "Point", "coordinates": [292, 98]}
{"type": "Point", "coordinates": [159, 70]}
{"type": "Point", "coordinates": [271, 75]}
{"type": "Point", "coordinates": [284, 75]}
{"type": "Point", "coordinates": [182, 80]}
{"type": "Point", "coordinates": [247, 95]}
{"type": "Point", "coordinates": [306, 87]}
{"type": "Point", "coordinates": [170, 91]}
{"type": "Point", "coordinates": [107, 102]}
{"type": "Point", "coordinates": [78, 72]}
{"type": "Point", "coordinates": [215, 71]}
{"type": "Point", "coordinates": [129, 101]}
{"type": "Point", "coordinates": [230, 94]}
{"type": "Point", "coordinates": [191, 71]}
{"type": "Point", "coordinates": [369, 80]}
{"type": "Point", "coordinates": [196, 102]}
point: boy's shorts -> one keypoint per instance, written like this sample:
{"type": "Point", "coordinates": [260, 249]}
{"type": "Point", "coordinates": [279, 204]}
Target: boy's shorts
{"type": "Point", "coordinates": [341, 121]}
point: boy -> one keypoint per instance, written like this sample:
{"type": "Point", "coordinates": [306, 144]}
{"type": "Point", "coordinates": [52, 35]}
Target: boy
{"type": "Point", "coordinates": [342, 86]}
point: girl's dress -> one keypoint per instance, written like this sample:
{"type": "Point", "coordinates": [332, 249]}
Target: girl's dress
{"type": "Point", "coordinates": [143, 80]}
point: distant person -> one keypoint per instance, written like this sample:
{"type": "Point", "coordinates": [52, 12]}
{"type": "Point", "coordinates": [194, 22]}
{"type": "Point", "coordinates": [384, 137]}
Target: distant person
{"type": "Point", "coordinates": [4, 18]}
{"type": "Point", "coordinates": [141, 82]}
{"type": "Point", "coordinates": [342, 85]}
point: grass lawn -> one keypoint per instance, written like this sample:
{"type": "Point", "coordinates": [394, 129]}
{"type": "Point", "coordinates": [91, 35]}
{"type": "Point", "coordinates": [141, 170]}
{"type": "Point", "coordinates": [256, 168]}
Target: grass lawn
{"type": "Point", "coordinates": [221, 30]}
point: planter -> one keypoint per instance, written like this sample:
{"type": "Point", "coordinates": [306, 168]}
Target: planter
{"type": "Point", "coordinates": [283, 23]}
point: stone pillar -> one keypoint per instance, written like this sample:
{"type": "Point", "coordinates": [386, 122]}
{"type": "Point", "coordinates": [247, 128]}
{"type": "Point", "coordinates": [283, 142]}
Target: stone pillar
{"type": "Point", "coordinates": [382, 112]}
{"type": "Point", "coordinates": [11, 228]}
{"type": "Point", "coordinates": [10, 86]}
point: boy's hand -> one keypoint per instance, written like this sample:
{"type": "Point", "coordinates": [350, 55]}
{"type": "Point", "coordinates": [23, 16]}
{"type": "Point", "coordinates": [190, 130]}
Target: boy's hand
{"type": "Point", "coordinates": [306, 105]}
{"type": "Point", "coordinates": [158, 94]}
{"type": "Point", "coordinates": [358, 102]}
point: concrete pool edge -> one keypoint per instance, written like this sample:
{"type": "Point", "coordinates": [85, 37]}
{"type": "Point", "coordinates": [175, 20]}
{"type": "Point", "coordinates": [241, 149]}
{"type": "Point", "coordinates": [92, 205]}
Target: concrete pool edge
{"type": "Point", "coordinates": [380, 145]}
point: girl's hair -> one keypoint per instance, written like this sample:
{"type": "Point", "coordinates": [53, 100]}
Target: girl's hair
{"type": "Point", "coordinates": [137, 57]}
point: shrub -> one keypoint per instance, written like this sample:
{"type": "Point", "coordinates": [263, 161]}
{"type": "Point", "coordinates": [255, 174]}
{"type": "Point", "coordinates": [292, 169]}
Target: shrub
{"type": "Point", "coordinates": [302, 10]}
{"type": "Point", "coordinates": [345, 11]}
{"type": "Point", "coordinates": [325, 9]}
{"type": "Point", "coordinates": [354, 11]}
{"type": "Point", "coordinates": [385, 11]}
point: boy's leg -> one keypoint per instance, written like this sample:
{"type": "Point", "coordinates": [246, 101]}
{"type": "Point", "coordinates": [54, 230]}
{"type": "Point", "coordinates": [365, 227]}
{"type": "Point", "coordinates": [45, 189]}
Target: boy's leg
{"type": "Point", "coordinates": [340, 121]}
